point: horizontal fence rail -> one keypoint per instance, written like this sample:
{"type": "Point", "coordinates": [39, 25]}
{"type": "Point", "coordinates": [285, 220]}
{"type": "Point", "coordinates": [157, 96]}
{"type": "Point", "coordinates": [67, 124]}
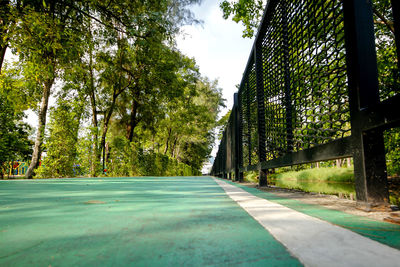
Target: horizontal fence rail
{"type": "Point", "coordinates": [311, 92]}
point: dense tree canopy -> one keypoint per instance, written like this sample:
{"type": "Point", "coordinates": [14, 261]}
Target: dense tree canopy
{"type": "Point", "coordinates": [126, 99]}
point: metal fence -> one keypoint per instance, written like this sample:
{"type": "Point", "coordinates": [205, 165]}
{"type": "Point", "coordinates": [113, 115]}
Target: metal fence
{"type": "Point", "coordinates": [311, 92]}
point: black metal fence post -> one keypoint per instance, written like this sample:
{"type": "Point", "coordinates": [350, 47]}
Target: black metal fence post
{"type": "Point", "coordinates": [260, 113]}
{"type": "Point", "coordinates": [240, 137]}
{"type": "Point", "coordinates": [368, 146]}
{"type": "Point", "coordinates": [288, 101]}
{"type": "Point", "coordinates": [248, 119]}
{"type": "Point", "coordinates": [237, 136]}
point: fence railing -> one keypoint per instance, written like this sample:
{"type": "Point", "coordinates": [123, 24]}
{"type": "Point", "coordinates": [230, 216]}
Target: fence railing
{"type": "Point", "coordinates": [311, 92]}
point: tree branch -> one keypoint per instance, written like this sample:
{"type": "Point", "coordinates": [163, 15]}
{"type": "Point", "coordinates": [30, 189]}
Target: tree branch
{"type": "Point", "coordinates": [87, 14]}
{"type": "Point", "coordinates": [384, 21]}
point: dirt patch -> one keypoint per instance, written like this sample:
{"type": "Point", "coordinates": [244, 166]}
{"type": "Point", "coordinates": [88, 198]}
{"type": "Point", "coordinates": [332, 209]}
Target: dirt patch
{"type": "Point", "coordinates": [327, 201]}
{"type": "Point", "coordinates": [94, 202]}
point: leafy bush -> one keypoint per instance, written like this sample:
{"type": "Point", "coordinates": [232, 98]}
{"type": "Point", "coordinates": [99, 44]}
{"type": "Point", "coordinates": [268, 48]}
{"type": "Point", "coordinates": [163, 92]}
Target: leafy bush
{"type": "Point", "coordinates": [251, 176]}
{"type": "Point", "coordinates": [392, 146]}
{"type": "Point", "coordinates": [61, 148]}
{"type": "Point", "coordinates": [128, 159]}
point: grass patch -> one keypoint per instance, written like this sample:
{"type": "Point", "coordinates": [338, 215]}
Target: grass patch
{"type": "Point", "coordinates": [326, 180]}
{"type": "Point", "coordinates": [332, 174]}
{"type": "Point", "coordinates": [250, 177]}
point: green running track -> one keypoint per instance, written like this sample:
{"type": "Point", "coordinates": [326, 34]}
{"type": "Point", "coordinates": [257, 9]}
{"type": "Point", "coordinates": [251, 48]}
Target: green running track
{"type": "Point", "coordinates": [148, 221]}
{"type": "Point", "coordinates": [172, 221]}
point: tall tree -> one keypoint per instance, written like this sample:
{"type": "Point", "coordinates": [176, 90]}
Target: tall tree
{"type": "Point", "coordinates": [61, 144]}
{"type": "Point", "coordinates": [46, 38]}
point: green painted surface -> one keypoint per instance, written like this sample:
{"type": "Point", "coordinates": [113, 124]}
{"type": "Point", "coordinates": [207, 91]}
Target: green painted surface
{"type": "Point", "coordinates": [130, 222]}
{"type": "Point", "coordinates": [386, 233]}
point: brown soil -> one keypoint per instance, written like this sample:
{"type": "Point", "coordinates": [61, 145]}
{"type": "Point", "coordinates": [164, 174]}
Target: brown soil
{"type": "Point", "coordinates": [328, 201]}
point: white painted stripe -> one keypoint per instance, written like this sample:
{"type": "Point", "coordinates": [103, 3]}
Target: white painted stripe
{"type": "Point", "coordinates": [313, 241]}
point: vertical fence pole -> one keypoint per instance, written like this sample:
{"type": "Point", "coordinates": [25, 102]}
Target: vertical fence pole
{"type": "Point", "coordinates": [248, 102]}
{"type": "Point", "coordinates": [288, 101]}
{"type": "Point", "coordinates": [260, 112]}
{"type": "Point", "coordinates": [237, 136]}
{"type": "Point", "coordinates": [240, 137]}
{"type": "Point", "coordinates": [225, 154]}
{"type": "Point", "coordinates": [369, 152]}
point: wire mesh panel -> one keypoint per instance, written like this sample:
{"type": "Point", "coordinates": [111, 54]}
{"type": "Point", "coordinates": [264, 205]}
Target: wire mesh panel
{"type": "Point", "coordinates": [230, 144]}
{"type": "Point", "coordinates": [274, 86]}
{"type": "Point", "coordinates": [388, 65]}
{"type": "Point", "coordinates": [305, 80]}
{"type": "Point", "coordinates": [248, 117]}
{"type": "Point", "coordinates": [244, 125]}
{"type": "Point", "coordinates": [252, 91]}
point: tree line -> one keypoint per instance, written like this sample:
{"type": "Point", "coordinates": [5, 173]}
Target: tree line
{"type": "Point", "coordinates": [127, 101]}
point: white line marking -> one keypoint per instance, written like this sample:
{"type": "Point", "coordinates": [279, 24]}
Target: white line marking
{"type": "Point", "coordinates": [313, 241]}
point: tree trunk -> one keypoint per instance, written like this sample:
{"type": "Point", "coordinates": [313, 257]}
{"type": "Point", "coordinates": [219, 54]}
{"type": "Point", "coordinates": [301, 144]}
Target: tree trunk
{"type": "Point", "coordinates": [95, 156]}
{"type": "Point", "coordinates": [40, 131]}
{"type": "Point", "coordinates": [4, 26]}
{"type": "Point", "coordinates": [2, 55]}
{"type": "Point", "coordinates": [108, 151]}
{"type": "Point", "coordinates": [107, 118]}
{"type": "Point", "coordinates": [349, 162]}
{"type": "Point", "coordinates": [167, 142]}
{"type": "Point", "coordinates": [338, 163]}
{"type": "Point", "coordinates": [133, 120]}
{"type": "Point", "coordinates": [178, 151]}
{"type": "Point", "coordinates": [173, 147]}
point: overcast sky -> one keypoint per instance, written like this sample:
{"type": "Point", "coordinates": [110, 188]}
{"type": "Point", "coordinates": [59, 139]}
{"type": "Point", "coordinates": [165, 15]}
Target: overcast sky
{"type": "Point", "coordinates": [218, 48]}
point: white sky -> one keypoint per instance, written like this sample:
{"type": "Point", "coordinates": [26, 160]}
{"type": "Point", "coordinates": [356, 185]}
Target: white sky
{"type": "Point", "coordinates": [218, 48]}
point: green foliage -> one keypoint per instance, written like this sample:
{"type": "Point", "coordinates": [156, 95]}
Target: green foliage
{"type": "Point", "coordinates": [187, 130]}
{"type": "Point", "coordinates": [389, 76]}
{"type": "Point", "coordinates": [223, 123]}
{"type": "Point", "coordinates": [117, 66]}
{"type": "Point", "coordinates": [249, 12]}
{"type": "Point", "coordinates": [61, 145]}
{"type": "Point", "coordinates": [14, 142]}
{"type": "Point", "coordinates": [328, 180]}
{"type": "Point", "coordinates": [333, 174]}
{"type": "Point", "coordinates": [128, 159]}
{"type": "Point", "coordinates": [317, 187]}
{"type": "Point", "coordinates": [324, 174]}
{"type": "Point", "coordinates": [392, 146]}
{"type": "Point", "coordinates": [251, 177]}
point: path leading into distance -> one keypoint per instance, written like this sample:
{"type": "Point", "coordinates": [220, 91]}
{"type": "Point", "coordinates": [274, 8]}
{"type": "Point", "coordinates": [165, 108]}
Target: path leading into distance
{"type": "Point", "coordinates": [179, 221]}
